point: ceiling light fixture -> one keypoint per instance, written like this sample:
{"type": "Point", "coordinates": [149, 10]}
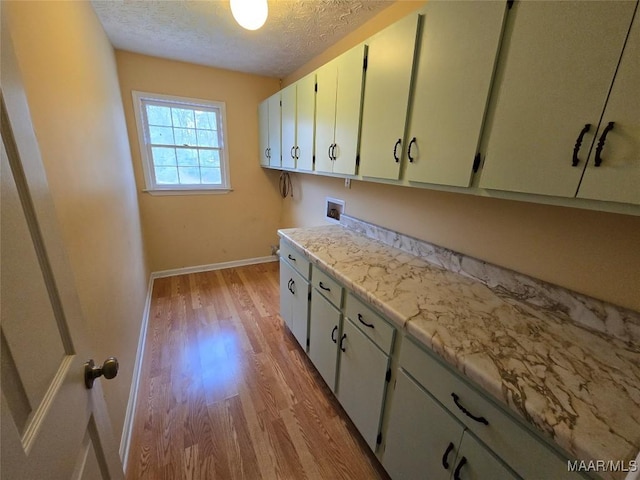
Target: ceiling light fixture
{"type": "Point", "coordinates": [250, 14]}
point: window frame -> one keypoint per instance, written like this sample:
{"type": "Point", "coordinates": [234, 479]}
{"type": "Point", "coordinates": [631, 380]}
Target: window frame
{"type": "Point", "coordinates": [142, 125]}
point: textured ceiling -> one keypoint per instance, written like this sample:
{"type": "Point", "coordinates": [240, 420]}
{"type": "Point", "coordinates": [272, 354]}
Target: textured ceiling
{"type": "Point", "coordinates": [205, 32]}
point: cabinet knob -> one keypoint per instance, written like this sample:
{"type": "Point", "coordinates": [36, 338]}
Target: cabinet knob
{"type": "Point", "coordinates": [576, 148]}
{"type": "Point", "coordinates": [603, 138]}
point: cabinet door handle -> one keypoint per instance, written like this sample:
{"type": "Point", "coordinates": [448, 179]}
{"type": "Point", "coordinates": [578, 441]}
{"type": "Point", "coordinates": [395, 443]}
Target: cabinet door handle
{"type": "Point", "coordinates": [333, 332]}
{"type": "Point", "coordinates": [344, 335]}
{"type": "Point", "coordinates": [324, 288]}
{"type": "Point", "coordinates": [413, 140]}
{"type": "Point", "coordinates": [603, 138]}
{"type": "Point", "coordinates": [291, 258]}
{"type": "Point", "coordinates": [265, 153]}
{"type": "Point", "coordinates": [445, 457]}
{"type": "Point", "coordinates": [333, 151]}
{"type": "Point", "coordinates": [329, 152]}
{"type": "Point", "coordinates": [291, 285]}
{"type": "Point", "coordinates": [395, 150]}
{"type": "Point", "coordinates": [370, 325]}
{"type": "Point", "coordinates": [297, 152]}
{"type": "Point", "coordinates": [456, 474]}
{"type": "Point", "coordinates": [456, 399]}
{"type": "Point", "coordinates": [576, 148]}
{"type": "Point", "coordinates": [291, 153]}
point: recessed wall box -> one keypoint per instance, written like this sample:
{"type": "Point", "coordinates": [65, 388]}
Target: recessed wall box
{"type": "Point", "coordinates": [334, 208]}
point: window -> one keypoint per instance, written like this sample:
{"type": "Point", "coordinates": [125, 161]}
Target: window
{"type": "Point", "coordinates": [182, 144]}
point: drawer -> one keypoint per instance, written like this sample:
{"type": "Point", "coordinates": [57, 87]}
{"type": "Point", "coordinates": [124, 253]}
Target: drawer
{"type": "Point", "coordinates": [370, 323]}
{"type": "Point", "coordinates": [502, 433]}
{"type": "Point", "coordinates": [295, 259]}
{"type": "Point", "coordinates": [326, 285]}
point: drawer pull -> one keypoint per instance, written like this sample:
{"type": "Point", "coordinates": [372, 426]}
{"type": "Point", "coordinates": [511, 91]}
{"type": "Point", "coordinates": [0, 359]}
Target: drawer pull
{"type": "Point", "coordinates": [445, 457]}
{"type": "Point", "coordinates": [456, 399]}
{"type": "Point", "coordinates": [456, 474]}
{"type": "Point", "coordinates": [344, 335]}
{"type": "Point", "coordinates": [324, 288]}
{"type": "Point", "coordinates": [291, 258]}
{"type": "Point", "coordinates": [333, 333]}
{"type": "Point", "coordinates": [603, 138]}
{"type": "Point", "coordinates": [576, 148]}
{"type": "Point", "coordinates": [370, 325]}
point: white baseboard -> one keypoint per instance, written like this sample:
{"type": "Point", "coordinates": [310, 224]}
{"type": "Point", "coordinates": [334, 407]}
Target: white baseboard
{"type": "Point", "coordinates": [127, 430]}
{"type": "Point", "coordinates": [214, 266]}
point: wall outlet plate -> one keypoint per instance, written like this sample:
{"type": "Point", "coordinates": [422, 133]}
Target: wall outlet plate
{"type": "Point", "coordinates": [333, 209]}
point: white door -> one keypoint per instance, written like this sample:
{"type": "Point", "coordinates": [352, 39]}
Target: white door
{"type": "Point", "coordinates": [288, 96]}
{"type": "Point", "coordinates": [53, 427]}
{"type": "Point", "coordinates": [327, 80]}
{"type": "Point", "coordinates": [306, 114]}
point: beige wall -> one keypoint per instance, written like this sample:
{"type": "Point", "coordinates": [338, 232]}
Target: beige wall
{"type": "Point", "coordinates": [190, 230]}
{"type": "Point", "coordinates": [590, 252]}
{"type": "Point", "coordinates": [69, 72]}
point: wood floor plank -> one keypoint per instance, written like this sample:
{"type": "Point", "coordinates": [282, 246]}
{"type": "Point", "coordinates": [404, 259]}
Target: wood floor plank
{"type": "Point", "coordinates": [227, 393]}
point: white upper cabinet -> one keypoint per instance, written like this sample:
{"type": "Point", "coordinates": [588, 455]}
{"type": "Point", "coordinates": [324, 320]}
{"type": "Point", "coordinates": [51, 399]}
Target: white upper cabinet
{"type": "Point", "coordinates": [288, 96]}
{"type": "Point", "coordinates": [557, 65]}
{"type": "Point", "coordinates": [306, 112]}
{"type": "Point", "coordinates": [270, 129]}
{"type": "Point", "coordinates": [338, 108]}
{"type": "Point", "coordinates": [386, 97]}
{"type": "Point", "coordinates": [457, 57]}
{"type": "Point", "coordinates": [613, 171]}
{"type": "Point", "coordinates": [298, 124]}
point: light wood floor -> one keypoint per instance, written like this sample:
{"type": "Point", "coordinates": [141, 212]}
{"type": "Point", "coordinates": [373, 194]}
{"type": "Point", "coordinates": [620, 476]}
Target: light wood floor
{"type": "Point", "coordinates": [226, 393]}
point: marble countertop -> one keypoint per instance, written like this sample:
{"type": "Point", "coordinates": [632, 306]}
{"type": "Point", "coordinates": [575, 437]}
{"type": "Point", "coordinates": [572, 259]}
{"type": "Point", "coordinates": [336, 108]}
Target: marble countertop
{"type": "Point", "coordinates": [580, 387]}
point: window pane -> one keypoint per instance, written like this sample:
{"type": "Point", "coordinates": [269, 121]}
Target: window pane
{"type": "Point", "coordinates": [206, 120]}
{"type": "Point", "coordinates": [210, 158]}
{"type": "Point", "coordinates": [187, 157]}
{"type": "Point", "coordinates": [163, 156]}
{"type": "Point", "coordinates": [183, 117]}
{"type": "Point", "coordinates": [158, 115]}
{"type": "Point", "coordinates": [189, 175]}
{"type": "Point", "coordinates": [185, 136]}
{"type": "Point", "coordinates": [166, 175]}
{"type": "Point", "coordinates": [161, 135]}
{"type": "Point", "coordinates": [211, 176]}
{"type": "Point", "coordinates": [207, 138]}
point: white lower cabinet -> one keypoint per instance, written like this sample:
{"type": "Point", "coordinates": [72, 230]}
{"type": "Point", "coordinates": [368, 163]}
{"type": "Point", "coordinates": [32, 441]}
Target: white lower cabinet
{"type": "Point", "coordinates": [324, 331]}
{"type": "Point", "coordinates": [425, 441]}
{"type": "Point", "coordinates": [294, 302]}
{"type": "Point", "coordinates": [362, 381]}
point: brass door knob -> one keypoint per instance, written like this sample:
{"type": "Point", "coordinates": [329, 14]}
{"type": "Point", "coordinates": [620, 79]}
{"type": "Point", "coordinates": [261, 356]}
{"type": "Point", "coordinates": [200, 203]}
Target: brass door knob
{"type": "Point", "coordinates": [109, 369]}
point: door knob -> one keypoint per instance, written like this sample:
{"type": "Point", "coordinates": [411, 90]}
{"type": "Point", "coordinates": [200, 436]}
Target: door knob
{"type": "Point", "coordinates": [109, 369]}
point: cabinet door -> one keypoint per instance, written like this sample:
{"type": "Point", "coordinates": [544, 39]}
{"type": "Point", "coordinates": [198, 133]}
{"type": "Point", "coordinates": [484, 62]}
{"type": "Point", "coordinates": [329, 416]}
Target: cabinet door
{"type": "Point", "coordinates": [324, 326]}
{"type": "Point", "coordinates": [306, 101]}
{"type": "Point", "coordinates": [422, 437]}
{"type": "Point", "coordinates": [458, 51]}
{"type": "Point", "coordinates": [475, 462]}
{"type": "Point", "coordinates": [288, 97]}
{"type": "Point", "coordinates": [274, 130]}
{"type": "Point", "coordinates": [325, 115]}
{"type": "Point", "coordinates": [263, 122]}
{"type": "Point", "coordinates": [286, 276]}
{"type": "Point", "coordinates": [549, 86]}
{"type": "Point", "coordinates": [617, 178]}
{"type": "Point", "coordinates": [299, 309]}
{"type": "Point", "coordinates": [350, 66]}
{"type": "Point", "coordinates": [386, 98]}
{"type": "Point", "coordinates": [362, 381]}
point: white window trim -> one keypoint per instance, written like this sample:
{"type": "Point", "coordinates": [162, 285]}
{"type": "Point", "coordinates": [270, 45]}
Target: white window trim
{"type": "Point", "coordinates": [145, 154]}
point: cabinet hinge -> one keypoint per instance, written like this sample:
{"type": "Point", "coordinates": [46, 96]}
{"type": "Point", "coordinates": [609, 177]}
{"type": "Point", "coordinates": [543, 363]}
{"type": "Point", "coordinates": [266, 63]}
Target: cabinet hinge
{"type": "Point", "coordinates": [379, 438]}
{"type": "Point", "coordinates": [387, 377]}
{"type": "Point", "coordinates": [477, 160]}
{"type": "Point", "coordinates": [509, 4]}
{"type": "Point", "coordinates": [365, 63]}
{"type": "Point", "coordinates": [316, 87]}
